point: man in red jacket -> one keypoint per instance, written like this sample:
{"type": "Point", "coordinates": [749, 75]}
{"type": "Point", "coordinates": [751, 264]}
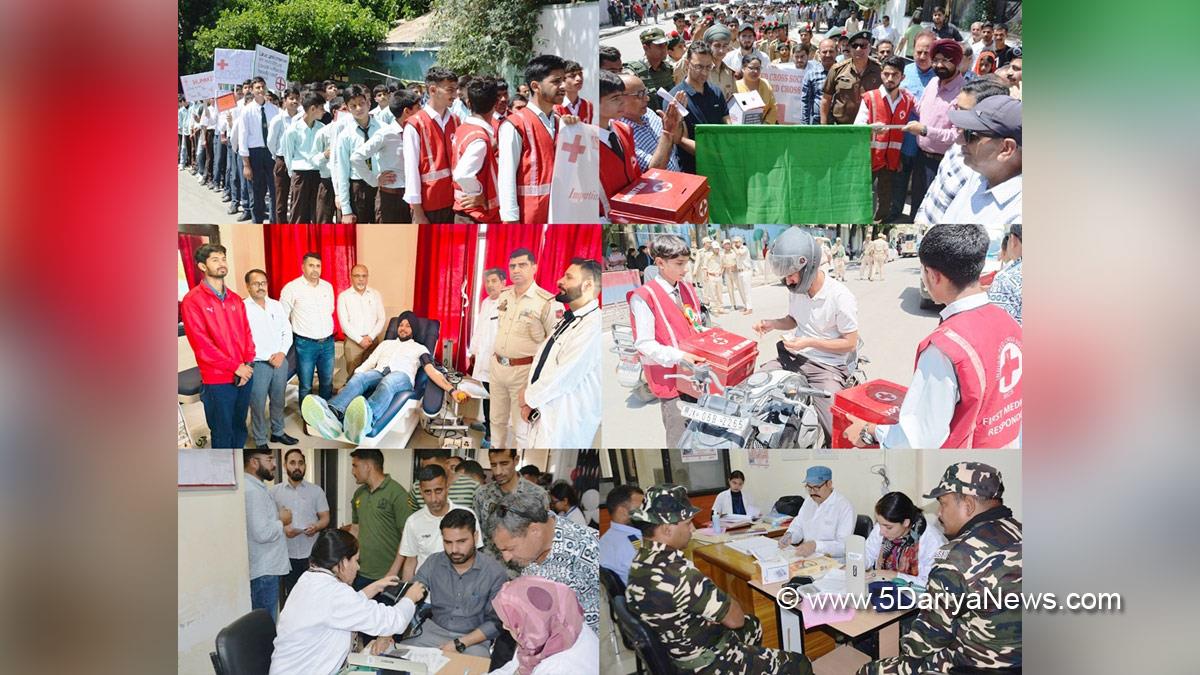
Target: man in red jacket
{"type": "Point", "coordinates": [966, 391]}
{"type": "Point", "coordinates": [214, 320]}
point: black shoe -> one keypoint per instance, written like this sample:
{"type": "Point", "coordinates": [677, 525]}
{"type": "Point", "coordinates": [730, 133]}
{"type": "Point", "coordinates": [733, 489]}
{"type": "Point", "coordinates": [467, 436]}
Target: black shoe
{"type": "Point", "coordinates": [244, 217]}
{"type": "Point", "coordinates": [262, 447]}
{"type": "Point", "coordinates": [233, 209]}
{"type": "Point", "coordinates": [283, 438]}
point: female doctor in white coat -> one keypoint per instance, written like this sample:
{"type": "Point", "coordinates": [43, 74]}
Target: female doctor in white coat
{"type": "Point", "coordinates": [323, 611]}
{"type": "Point", "coordinates": [903, 542]}
{"type": "Point", "coordinates": [735, 500]}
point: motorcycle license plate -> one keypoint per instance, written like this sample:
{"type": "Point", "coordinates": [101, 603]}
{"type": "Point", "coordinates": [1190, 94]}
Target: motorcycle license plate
{"type": "Point", "coordinates": [695, 412]}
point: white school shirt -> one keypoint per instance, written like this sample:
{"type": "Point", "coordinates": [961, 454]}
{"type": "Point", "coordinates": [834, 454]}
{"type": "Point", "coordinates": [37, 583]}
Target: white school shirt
{"type": "Point", "coordinates": [581, 658]}
{"type": "Point", "coordinates": [322, 142]}
{"type": "Point", "coordinates": [931, 540]}
{"type": "Point", "coordinates": [361, 314]}
{"type": "Point", "coordinates": [723, 504]}
{"type": "Point", "coordinates": [402, 356]}
{"type": "Point", "coordinates": [422, 535]}
{"type": "Point", "coordinates": [483, 337]}
{"type": "Point", "coordinates": [509, 161]}
{"type": "Point", "coordinates": [252, 125]}
{"type": "Point", "coordinates": [471, 162]}
{"type": "Point", "coordinates": [412, 156]}
{"type": "Point", "coordinates": [309, 307]}
{"type": "Point", "coordinates": [827, 523]}
{"type": "Point", "coordinates": [567, 392]}
{"type": "Point", "coordinates": [300, 145]}
{"type": "Point", "coordinates": [643, 319]}
{"type": "Point", "coordinates": [349, 136]}
{"type": "Point", "coordinates": [830, 314]}
{"type": "Point", "coordinates": [386, 151]}
{"type": "Point", "coordinates": [275, 129]}
{"type": "Point", "coordinates": [322, 613]}
{"type": "Point", "coordinates": [269, 327]}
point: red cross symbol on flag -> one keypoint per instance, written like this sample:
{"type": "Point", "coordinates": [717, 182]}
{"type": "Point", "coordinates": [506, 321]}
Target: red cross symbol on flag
{"type": "Point", "coordinates": [280, 84]}
{"type": "Point", "coordinates": [575, 148]}
{"type": "Point", "coordinates": [221, 64]}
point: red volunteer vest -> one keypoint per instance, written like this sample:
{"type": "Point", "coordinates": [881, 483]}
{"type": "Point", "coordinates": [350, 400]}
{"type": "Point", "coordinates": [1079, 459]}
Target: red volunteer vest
{"type": "Point", "coordinates": [616, 174]}
{"type": "Point", "coordinates": [585, 109]}
{"type": "Point", "coordinates": [490, 212]}
{"type": "Point", "coordinates": [536, 165]}
{"type": "Point", "coordinates": [437, 186]}
{"type": "Point", "coordinates": [671, 326]}
{"type": "Point", "coordinates": [885, 145]}
{"type": "Point", "coordinates": [984, 344]}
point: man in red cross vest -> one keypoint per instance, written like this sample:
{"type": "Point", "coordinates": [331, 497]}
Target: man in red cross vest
{"type": "Point", "coordinates": [887, 106]}
{"type": "Point", "coordinates": [618, 155]}
{"type": "Point", "coordinates": [966, 391]}
{"type": "Point", "coordinates": [665, 311]}
{"type": "Point", "coordinates": [429, 151]}
{"type": "Point", "coordinates": [572, 103]}
{"type": "Point", "coordinates": [526, 161]}
{"type": "Point", "coordinates": [475, 197]}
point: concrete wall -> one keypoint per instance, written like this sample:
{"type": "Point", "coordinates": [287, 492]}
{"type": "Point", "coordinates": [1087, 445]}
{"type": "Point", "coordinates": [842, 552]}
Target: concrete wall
{"type": "Point", "coordinates": [570, 32]}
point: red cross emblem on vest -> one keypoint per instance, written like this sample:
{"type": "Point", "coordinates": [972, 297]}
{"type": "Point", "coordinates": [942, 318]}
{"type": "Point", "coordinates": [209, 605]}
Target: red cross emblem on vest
{"type": "Point", "coordinates": [1011, 365]}
{"type": "Point", "coordinates": [574, 149]}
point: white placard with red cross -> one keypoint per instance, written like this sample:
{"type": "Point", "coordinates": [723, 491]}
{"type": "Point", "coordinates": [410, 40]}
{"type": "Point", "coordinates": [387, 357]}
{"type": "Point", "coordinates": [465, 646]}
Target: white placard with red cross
{"type": "Point", "coordinates": [575, 187]}
{"type": "Point", "coordinates": [199, 86]}
{"type": "Point", "coordinates": [271, 66]}
{"type": "Point", "coordinates": [233, 66]}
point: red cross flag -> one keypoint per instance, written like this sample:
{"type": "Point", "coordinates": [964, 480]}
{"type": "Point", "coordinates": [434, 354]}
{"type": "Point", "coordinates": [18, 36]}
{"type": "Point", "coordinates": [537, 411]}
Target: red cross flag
{"type": "Point", "coordinates": [575, 188]}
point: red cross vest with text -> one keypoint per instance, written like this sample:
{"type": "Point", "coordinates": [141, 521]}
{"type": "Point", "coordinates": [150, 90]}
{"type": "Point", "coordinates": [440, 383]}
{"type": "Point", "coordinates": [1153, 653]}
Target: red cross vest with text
{"type": "Point", "coordinates": [536, 166]}
{"type": "Point", "coordinates": [437, 186]}
{"type": "Point", "coordinates": [585, 109]}
{"type": "Point", "coordinates": [885, 145]}
{"type": "Point", "coordinates": [984, 344]}
{"type": "Point", "coordinates": [671, 327]}
{"type": "Point", "coordinates": [489, 212]}
{"type": "Point", "coordinates": [616, 174]}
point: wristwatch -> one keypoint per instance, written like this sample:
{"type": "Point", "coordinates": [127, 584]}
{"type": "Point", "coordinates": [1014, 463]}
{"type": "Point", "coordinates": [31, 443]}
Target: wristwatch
{"type": "Point", "coordinates": [459, 646]}
{"type": "Point", "coordinates": [867, 435]}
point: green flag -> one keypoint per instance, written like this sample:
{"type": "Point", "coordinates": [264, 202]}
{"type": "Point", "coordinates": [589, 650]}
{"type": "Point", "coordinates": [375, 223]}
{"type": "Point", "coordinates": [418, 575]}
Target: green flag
{"type": "Point", "coordinates": [786, 174]}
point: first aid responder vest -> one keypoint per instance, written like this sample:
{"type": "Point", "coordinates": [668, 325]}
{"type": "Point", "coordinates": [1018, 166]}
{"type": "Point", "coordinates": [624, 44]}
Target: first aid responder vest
{"type": "Point", "coordinates": [885, 145]}
{"type": "Point", "coordinates": [437, 185]}
{"type": "Point", "coordinates": [671, 327]}
{"type": "Point", "coordinates": [616, 173]}
{"type": "Point", "coordinates": [585, 110]}
{"type": "Point", "coordinates": [536, 166]}
{"type": "Point", "coordinates": [984, 344]}
{"type": "Point", "coordinates": [489, 212]}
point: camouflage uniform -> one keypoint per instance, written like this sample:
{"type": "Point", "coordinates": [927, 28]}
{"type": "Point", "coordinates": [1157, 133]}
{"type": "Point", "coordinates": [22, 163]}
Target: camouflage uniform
{"type": "Point", "coordinates": [984, 557]}
{"type": "Point", "coordinates": [684, 608]}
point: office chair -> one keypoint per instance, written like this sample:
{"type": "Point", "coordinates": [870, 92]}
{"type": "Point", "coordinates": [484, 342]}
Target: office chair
{"type": "Point", "coordinates": [614, 588]}
{"type": "Point", "coordinates": [646, 646]}
{"type": "Point", "coordinates": [862, 525]}
{"type": "Point", "coordinates": [244, 647]}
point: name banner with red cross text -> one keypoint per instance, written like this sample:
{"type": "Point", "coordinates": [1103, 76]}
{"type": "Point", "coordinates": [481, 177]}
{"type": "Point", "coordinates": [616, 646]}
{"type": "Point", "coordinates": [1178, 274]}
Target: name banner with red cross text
{"type": "Point", "coordinates": [575, 188]}
{"type": "Point", "coordinates": [233, 66]}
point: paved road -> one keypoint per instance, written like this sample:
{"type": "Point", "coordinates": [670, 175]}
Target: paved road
{"type": "Point", "coordinates": [891, 322]}
{"type": "Point", "coordinates": [200, 205]}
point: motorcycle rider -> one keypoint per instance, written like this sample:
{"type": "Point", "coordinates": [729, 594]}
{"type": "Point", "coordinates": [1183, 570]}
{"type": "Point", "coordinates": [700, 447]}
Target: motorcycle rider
{"type": "Point", "coordinates": [823, 315]}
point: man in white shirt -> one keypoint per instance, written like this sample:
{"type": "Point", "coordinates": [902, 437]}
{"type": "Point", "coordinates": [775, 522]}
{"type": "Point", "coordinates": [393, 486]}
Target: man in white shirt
{"type": "Point", "coordinates": [564, 384]}
{"type": "Point", "coordinates": [884, 30]}
{"type": "Point", "coordinates": [265, 523]}
{"type": "Point", "coordinates": [354, 197]}
{"type": "Point", "coordinates": [825, 520]}
{"type": "Point", "coordinates": [483, 342]}
{"type": "Point", "coordinates": [990, 134]}
{"type": "Point", "coordinates": [257, 163]}
{"type": "Point", "coordinates": [308, 301]}
{"type": "Point", "coordinates": [310, 514]}
{"type": "Point", "coordinates": [422, 536]}
{"type": "Point", "coordinates": [380, 160]}
{"type": "Point", "coordinates": [362, 318]}
{"type": "Point", "coordinates": [389, 371]}
{"type": "Point", "coordinates": [275, 131]}
{"type": "Point", "coordinates": [823, 314]}
{"type": "Point", "coordinates": [272, 339]}
{"type": "Point", "coordinates": [323, 160]}
{"type": "Point", "coordinates": [298, 148]}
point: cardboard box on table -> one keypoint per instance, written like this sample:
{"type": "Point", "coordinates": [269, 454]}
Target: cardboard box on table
{"type": "Point", "coordinates": [746, 108]}
{"type": "Point", "coordinates": [662, 197]}
{"type": "Point", "coordinates": [876, 401]}
{"type": "Point", "coordinates": [731, 357]}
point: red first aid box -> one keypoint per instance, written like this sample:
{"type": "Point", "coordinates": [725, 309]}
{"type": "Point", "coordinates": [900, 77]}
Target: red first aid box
{"type": "Point", "coordinates": [662, 197]}
{"type": "Point", "coordinates": [876, 401]}
{"type": "Point", "coordinates": [732, 358]}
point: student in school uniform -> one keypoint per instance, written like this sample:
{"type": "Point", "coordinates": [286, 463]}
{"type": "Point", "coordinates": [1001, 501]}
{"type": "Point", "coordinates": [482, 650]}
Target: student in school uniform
{"type": "Point", "coordinates": [380, 161]}
{"type": "Point", "coordinates": [291, 105]}
{"type": "Point", "coordinates": [429, 186]}
{"type": "Point", "coordinates": [526, 156]}
{"type": "Point", "coordinates": [257, 164]}
{"type": "Point", "coordinates": [572, 102]}
{"type": "Point", "coordinates": [475, 198]}
{"type": "Point", "coordinates": [322, 152]}
{"type": "Point", "coordinates": [354, 197]}
{"type": "Point", "coordinates": [500, 112]}
{"type": "Point", "coordinates": [180, 124]}
{"type": "Point", "coordinates": [299, 156]}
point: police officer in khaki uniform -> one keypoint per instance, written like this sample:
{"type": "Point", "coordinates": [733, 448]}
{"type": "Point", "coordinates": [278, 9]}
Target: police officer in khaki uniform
{"type": "Point", "coordinates": [699, 254]}
{"type": "Point", "coordinates": [879, 249]}
{"type": "Point", "coordinates": [713, 271]}
{"type": "Point", "coordinates": [729, 272]}
{"type": "Point", "coordinates": [839, 260]}
{"type": "Point", "coordinates": [526, 317]}
{"type": "Point", "coordinates": [848, 80]}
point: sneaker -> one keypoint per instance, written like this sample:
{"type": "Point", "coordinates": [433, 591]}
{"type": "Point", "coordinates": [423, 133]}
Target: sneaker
{"type": "Point", "coordinates": [319, 415]}
{"type": "Point", "coordinates": [478, 426]}
{"type": "Point", "coordinates": [358, 420]}
{"type": "Point", "coordinates": [284, 439]}
{"type": "Point", "coordinates": [234, 208]}
{"type": "Point", "coordinates": [245, 216]}
{"type": "Point", "coordinates": [485, 444]}
{"type": "Point", "coordinates": [227, 198]}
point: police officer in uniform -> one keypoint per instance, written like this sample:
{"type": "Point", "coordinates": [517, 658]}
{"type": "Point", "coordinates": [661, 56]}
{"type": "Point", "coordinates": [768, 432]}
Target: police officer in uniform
{"type": "Point", "coordinates": [839, 260]}
{"type": "Point", "coordinates": [526, 317]}
{"type": "Point", "coordinates": [704, 630]}
{"type": "Point", "coordinates": [654, 44]}
{"type": "Point", "coordinates": [983, 555]}
{"type": "Point", "coordinates": [713, 274]}
{"type": "Point", "coordinates": [848, 80]}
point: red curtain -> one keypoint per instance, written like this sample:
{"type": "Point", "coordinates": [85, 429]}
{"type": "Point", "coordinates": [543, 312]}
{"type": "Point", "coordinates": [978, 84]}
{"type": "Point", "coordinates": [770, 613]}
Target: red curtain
{"type": "Point", "coordinates": [442, 290]}
{"type": "Point", "coordinates": [504, 238]}
{"type": "Point", "coordinates": [560, 244]}
{"type": "Point", "coordinates": [285, 246]}
{"type": "Point", "coordinates": [188, 243]}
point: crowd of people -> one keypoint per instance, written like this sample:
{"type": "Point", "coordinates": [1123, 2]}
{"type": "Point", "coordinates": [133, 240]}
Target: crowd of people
{"type": "Point", "coordinates": [704, 629]}
{"type": "Point", "coordinates": [437, 152]}
{"type": "Point", "coordinates": [497, 572]}
{"type": "Point", "coordinates": [542, 370]}
{"type": "Point", "coordinates": [936, 146]}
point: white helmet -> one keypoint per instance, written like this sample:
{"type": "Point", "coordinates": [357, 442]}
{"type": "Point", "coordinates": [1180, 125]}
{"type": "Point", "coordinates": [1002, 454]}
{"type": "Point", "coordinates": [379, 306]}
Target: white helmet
{"type": "Point", "coordinates": [795, 250]}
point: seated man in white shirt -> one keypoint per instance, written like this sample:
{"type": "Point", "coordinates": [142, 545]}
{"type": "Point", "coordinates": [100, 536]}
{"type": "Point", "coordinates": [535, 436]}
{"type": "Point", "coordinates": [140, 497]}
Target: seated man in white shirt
{"type": "Point", "coordinates": [736, 501]}
{"type": "Point", "coordinates": [823, 314]}
{"type": "Point", "coordinates": [422, 535]}
{"type": "Point", "coordinates": [824, 521]}
{"type": "Point", "coordinates": [390, 370]}
{"type": "Point", "coordinates": [616, 544]}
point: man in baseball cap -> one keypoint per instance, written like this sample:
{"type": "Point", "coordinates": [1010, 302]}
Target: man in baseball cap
{"type": "Point", "coordinates": [825, 519]}
{"type": "Point", "coordinates": [703, 629]}
{"type": "Point", "coordinates": [990, 134]}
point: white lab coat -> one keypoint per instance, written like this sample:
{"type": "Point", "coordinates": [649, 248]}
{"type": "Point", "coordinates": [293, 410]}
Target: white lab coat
{"type": "Point", "coordinates": [827, 523]}
{"type": "Point", "coordinates": [567, 393]}
{"type": "Point", "coordinates": [483, 338]}
{"type": "Point", "coordinates": [724, 503]}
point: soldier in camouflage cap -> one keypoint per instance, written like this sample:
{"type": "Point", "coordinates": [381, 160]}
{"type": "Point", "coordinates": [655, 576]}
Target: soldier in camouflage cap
{"type": "Point", "coordinates": [980, 562]}
{"type": "Point", "coordinates": [703, 629]}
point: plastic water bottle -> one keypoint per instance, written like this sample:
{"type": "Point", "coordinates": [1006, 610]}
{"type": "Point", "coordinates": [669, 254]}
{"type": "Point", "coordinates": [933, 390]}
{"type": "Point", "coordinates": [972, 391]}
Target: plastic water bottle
{"type": "Point", "coordinates": [716, 523]}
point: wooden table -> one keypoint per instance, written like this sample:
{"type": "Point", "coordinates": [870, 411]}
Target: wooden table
{"type": "Point", "coordinates": [460, 664]}
{"type": "Point", "coordinates": [864, 621]}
